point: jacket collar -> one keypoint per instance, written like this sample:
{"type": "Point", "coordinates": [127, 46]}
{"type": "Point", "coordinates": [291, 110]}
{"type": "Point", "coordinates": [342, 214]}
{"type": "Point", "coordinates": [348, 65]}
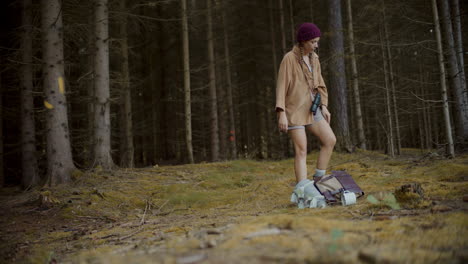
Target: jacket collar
{"type": "Point", "coordinates": [309, 75]}
{"type": "Point", "coordinates": [297, 51]}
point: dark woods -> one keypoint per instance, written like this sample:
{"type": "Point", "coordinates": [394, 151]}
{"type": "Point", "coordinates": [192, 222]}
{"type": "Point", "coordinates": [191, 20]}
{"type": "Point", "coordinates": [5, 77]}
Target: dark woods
{"type": "Point", "coordinates": [130, 83]}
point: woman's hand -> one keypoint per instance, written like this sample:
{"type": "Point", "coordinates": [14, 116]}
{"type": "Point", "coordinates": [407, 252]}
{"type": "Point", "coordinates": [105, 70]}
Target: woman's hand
{"type": "Point", "coordinates": [326, 114]}
{"type": "Point", "coordinates": [282, 121]}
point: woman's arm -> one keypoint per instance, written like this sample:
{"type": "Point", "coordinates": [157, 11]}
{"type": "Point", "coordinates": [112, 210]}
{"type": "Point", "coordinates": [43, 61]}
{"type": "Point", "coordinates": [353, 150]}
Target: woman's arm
{"type": "Point", "coordinates": [282, 85]}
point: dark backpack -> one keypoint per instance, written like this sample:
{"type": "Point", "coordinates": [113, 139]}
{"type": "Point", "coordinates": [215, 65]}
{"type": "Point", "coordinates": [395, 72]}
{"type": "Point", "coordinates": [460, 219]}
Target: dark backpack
{"type": "Point", "coordinates": [339, 183]}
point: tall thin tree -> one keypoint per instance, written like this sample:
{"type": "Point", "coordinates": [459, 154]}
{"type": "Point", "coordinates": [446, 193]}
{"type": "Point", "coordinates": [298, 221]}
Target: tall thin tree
{"type": "Point", "coordinates": [392, 82]}
{"type": "Point", "coordinates": [28, 130]}
{"type": "Point", "coordinates": [355, 79]}
{"type": "Point", "coordinates": [282, 30]}
{"type": "Point", "coordinates": [127, 149]}
{"type": "Point", "coordinates": [443, 86]}
{"type": "Point", "coordinates": [187, 100]}
{"type": "Point", "coordinates": [455, 7]}
{"type": "Point", "coordinates": [90, 86]}
{"type": "Point", "coordinates": [388, 106]}
{"type": "Point", "coordinates": [2, 174]}
{"type": "Point", "coordinates": [230, 108]}
{"type": "Point", "coordinates": [291, 21]}
{"type": "Point", "coordinates": [102, 126]}
{"type": "Point", "coordinates": [214, 136]}
{"type": "Point", "coordinates": [454, 73]}
{"type": "Point", "coordinates": [59, 155]}
{"type": "Point", "coordinates": [337, 77]}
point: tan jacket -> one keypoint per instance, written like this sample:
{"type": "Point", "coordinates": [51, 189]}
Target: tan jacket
{"type": "Point", "coordinates": [294, 86]}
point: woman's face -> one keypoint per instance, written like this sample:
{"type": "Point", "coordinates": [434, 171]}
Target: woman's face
{"type": "Point", "coordinates": [311, 45]}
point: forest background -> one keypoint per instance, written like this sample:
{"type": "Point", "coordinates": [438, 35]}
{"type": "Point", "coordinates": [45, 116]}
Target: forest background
{"type": "Point", "coordinates": [129, 83]}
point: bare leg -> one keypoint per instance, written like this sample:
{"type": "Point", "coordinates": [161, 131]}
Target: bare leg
{"type": "Point", "coordinates": [299, 138]}
{"type": "Point", "coordinates": [324, 133]}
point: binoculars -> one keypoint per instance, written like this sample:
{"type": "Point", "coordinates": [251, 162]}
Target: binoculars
{"type": "Point", "coordinates": [315, 103]}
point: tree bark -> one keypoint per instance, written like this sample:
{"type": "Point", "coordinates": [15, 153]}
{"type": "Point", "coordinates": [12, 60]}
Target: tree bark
{"type": "Point", "coordinates": [291, 20]}
{"type": "Point", "coordinates": [337, 77]}
{"type": "Point", "coordinates": [311, 11]}
{"type": "Point", "coordinates": [59, 155]}
{"type": "Point", "coordinates": [187, 100]}
{"type": "Point", "coordinates": [127, 149]}
{"type": "Point", "coordinates": [102, 126]}
{"type": "Point", "coordinates": [389, 132]}
{"type": "Point", "coordinates": [283, 33]}
{"type": "Point", "coordinates": [454, 73]}
{"type": "Point", "coordinates": [392, 84]}
{"type": "Point", "coordinates": [90, 90]}
{"type": "Point", "coordinates": [355, 79]}
{"type": "Point", "coordinates": [443, 87]}
{"type": "Point", "coordinates": [272, 41]}
{"type": "Point", "coordinates": [2, 174]}
{"type": "Point", "coordinates": [422, 113]}
{"type": "Point", "coordinates": [230, 108]}
{"type": "Point", "coordinates": [458, 42]}
{"type": "Point", "coordinates": [29, 167]}
{"type": "Point", "coordinates": [214, 136]}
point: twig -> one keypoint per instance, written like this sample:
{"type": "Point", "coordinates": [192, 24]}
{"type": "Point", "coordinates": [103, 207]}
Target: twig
{"type": "Point", "coordinates": [144, 214]}
{"type": "Point", "coordinates": [425, 100]}
{"type": "Point", "coordinates": [131, 234]}
{"type": "Point", "coordinates": [142, 222]}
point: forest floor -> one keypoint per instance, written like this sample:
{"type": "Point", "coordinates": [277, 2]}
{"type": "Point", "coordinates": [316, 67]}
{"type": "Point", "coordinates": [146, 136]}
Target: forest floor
{"type": "Point", "coordinates": [239, 212]}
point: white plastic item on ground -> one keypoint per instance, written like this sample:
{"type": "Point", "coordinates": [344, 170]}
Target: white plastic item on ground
{"type": "Point", "coordinates": [348, 198]}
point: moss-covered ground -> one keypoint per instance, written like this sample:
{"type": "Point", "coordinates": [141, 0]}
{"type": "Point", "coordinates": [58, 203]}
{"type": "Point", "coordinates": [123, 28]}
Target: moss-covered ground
{"type": "Point", "coordinates": [239, 212]}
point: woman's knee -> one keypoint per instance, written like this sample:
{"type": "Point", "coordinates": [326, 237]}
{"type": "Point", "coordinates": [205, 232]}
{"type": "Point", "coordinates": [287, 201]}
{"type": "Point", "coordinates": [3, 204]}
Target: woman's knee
{"type": "Point", "coordinates": [329, 141]}
{"type": "Point", "coordinates": [301, 151]}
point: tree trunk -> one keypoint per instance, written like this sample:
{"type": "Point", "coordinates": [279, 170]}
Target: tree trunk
{"type": "Point", "coordinates": [59, 155]}
{"type": "Point", "coordinates": [429, 114]}
{"type": "Point", "coordinates": [311, 11]}
{"type": "Point", "coordinates": [232, 122]}
{"type": "Point", "coordinates": [455, 76]}
{"type": "Point", "coordinates": [283, 33]}
{"type": "Point", "coordinates": [337, 76]}
{"type": "Point", "coordinates": [2, 154]}
{"type": "Point", "coordinates": [392, 84]}
{"type": "Point", "coordinates": [102, 126]}
{"type": "Point", "coordinates": [284, 138]}
{"type": "Point", "coordinates": [187, 100]}
{"type": "Point", "coordinates": [214, 136]}
{"type": "Point", "coordinates": [272, 41]}
{"type": "Point", "coordinates": [90, 91]}
{"type": "Point", "coordinates": [222, 114]}
{"type": "Point", "coordinates": [28, 131]}
{"type": "Point", "coordinates": [291, 20]}
{"type": "Point", "coordinates": [359, 121]}
{"type": "Point", "coordinates": [127, 151]}
{"type": "Point", "coordinates": [458, 42]}
{"type": "Point", "coordinates": [389, 132]}
{"type": "Point", "coordinates": [155, 107]}
{"type": "Point", "coordinates": [422, 114]}
{"type": "Point", "coordinates": [443, 87]}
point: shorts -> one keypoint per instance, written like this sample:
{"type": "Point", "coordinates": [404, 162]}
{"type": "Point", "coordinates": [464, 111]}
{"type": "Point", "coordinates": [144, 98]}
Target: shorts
{"type": "Point", "coordinates": [317, 117]}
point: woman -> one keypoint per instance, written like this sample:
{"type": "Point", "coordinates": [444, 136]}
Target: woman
{"type": "Point", "coordinates": [299, 83]}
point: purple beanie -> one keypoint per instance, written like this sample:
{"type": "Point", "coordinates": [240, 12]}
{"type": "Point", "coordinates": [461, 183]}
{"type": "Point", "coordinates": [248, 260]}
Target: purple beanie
{"type": "Point", "coordinates": [307, 31]}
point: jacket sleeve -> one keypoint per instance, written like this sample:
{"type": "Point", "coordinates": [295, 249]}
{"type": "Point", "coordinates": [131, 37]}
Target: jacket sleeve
{"type": "Point", "coordinates": [283, 82]}
{"type": "Point", "coordinates": [322, 88]}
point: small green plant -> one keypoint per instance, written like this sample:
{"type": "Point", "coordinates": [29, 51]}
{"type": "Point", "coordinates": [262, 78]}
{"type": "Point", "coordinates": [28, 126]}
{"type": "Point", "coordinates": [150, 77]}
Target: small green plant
{"type": "Point", "coordinates": [384, 199]}
{"type": "Point", "coordinates": [335, 235]}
